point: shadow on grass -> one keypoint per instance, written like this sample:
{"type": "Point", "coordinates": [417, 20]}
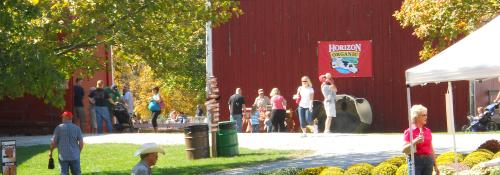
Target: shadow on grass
{"type": "Point", "coordinates": [25, 153]}
{"type": "Point", "coordinates": [200, 169]}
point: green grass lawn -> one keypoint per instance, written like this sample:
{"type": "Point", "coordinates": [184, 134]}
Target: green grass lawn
{"type": "Point", "coordinates": [119, 159]}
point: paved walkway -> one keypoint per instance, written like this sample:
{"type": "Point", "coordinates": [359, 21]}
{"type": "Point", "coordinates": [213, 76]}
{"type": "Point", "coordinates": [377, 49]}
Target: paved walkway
{"type": "Point", "coordinates": [328, 149]}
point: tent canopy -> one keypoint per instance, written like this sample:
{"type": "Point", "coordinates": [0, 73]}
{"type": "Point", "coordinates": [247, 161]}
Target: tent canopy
{"type": "Point", "coordinates": [476, 56]}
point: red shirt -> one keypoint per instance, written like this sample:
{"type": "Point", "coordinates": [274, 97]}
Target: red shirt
{"type": "Point", "coordinates": [277, 102]}
{"type": "Point", "coordinates": [424, 148]}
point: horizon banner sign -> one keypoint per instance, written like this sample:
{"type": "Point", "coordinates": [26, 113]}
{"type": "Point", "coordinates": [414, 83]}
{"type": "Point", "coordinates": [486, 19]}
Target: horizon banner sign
{"type": "Point", "coordinates": [345, 58]}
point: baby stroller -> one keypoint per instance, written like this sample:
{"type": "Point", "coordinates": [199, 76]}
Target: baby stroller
{"type": "Point", "coordinates": [484, 123]}
{"type": "Point", "coordinates": [122, 117]}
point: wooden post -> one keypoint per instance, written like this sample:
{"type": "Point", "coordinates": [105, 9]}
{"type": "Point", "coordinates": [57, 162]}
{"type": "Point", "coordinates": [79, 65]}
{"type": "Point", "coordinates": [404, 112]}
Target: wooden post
{"type": "Point", "coordinates": [212, 104]}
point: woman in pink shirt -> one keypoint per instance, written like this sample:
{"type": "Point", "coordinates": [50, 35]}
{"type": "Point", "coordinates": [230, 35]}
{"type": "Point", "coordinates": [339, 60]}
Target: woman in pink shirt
{"type": "Point", "coordinates": [278, 111]}
{"type": "Point", "coordinates": [422, 141]}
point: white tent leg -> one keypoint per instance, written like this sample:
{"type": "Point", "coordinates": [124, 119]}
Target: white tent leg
{"type": "Point", "coordinates": [412, 155]}
{"type": "Point", "coordinates": [452, 117]}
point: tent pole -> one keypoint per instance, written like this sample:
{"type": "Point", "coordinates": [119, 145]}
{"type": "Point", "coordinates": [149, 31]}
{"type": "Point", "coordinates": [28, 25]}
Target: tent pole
{"type": "Point", "coordinates": [412, 149]}
{"type": "Point", "coordinates": [452, 114]}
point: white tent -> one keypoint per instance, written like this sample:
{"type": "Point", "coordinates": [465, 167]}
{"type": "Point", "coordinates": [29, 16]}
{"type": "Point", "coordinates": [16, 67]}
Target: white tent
{"type": "Point", "coordinates": [476, 56]}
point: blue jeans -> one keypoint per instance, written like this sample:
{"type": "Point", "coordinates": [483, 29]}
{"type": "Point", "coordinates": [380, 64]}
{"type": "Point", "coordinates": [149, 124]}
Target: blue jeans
{"type": "Point", "coordinates": [424, 164]}
{"type": "Point", "coordinates": [102, 113]}
{"type": "Point", "coordinates": [305, 117]}
{"type": "Point", "coordinates": [238, 119]}
{"type": "Point", "coordinates": [66, 165]}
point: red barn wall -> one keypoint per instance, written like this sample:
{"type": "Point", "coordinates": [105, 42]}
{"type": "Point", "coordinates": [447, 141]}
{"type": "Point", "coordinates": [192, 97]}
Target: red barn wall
{"type": "Point", "coordinates": [274, 43]}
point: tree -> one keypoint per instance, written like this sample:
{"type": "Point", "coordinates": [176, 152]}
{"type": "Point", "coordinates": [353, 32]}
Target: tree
{"type": "Point", "coordinates": [44, 42]}
{"type": "Point", "coordinates": [439, 23]}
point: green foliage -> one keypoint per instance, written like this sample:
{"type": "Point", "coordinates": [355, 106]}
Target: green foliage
{"type": "Point", "coordinates": [312, 171]}
{"type": "Point", "coordinates": [384, 169]}
{"type": "Point", "coordinates": [332, 171]}
{"type": "Point", "coordinates": [359, 169]}
{"type": "Point", "coordinates": [440, 23]}
{"type": "Point", "coordinates": [44, 42]}
{"type": "Point", "coordinates": [491, 145]}
{"type": "Point", "coordinates": [402, 170]}
{"type": "Point", "coordinates": [396, 161]}
{"type": "Point", "coordinates": [448, 158]}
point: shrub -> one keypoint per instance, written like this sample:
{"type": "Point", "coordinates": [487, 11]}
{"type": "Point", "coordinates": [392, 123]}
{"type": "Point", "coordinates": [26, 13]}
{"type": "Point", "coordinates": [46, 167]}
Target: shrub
{"type": "Point", "coordinates": [312, 171]}
{"type": "Point", "coordinates": [448, 158]}
{"type": "Point", "coordinates": [282, 171]}
{"type": "Point", "coordinates": [384, 169]}
{"type": "Point", "coordinates": [359, 169]}
{"type": "Point", "coordinates": [497, 155]}
{"type": "Point", "coordinates": [396, 161]}
{"type": "Point", "coordinates": [491, 145]}
{"type": "Point", "coordinates": [495, 170]}
{"type": "Point", "coordinates": [402, 170]}
{"type": "Point", "coordinates": [479, 154]}
{"type": "Point", "coordinates": [452, 169]}
{"type": "Point", "coordinates": [332, 171]}
{"type": "Point", "coordinates": [470, 161]}
{"type": "Point", "coordinates": [485, 151]}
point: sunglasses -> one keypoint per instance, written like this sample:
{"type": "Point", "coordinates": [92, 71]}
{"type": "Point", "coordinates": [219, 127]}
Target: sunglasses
{"type": "Point", "coordinates": [304, 81]}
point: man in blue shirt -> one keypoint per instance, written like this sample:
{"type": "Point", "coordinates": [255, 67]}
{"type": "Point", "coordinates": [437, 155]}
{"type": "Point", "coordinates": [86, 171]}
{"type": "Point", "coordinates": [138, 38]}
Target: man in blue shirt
{"type": "Point", "coordinates": [69, 141]}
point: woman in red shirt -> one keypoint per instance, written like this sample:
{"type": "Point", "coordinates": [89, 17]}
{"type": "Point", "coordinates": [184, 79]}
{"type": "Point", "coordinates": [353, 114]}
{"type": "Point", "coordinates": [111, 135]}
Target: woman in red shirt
{"type": "Point", "coordinates": [278, 111]}
{"type": "Point", "coordinates": [422, 140]}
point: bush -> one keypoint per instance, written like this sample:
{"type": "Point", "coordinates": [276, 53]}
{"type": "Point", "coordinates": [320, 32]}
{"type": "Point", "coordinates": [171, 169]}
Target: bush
{"type": "Point", "coordinates": [359, 169]}
{"type": "Point", "coordinates": [485, 151]}
{"type": "Point", "coordinates": [497, 155]}
{"type": "Point", "coordinates": [491, 145]}
{"type": "Point", "coordinates": [384, 169]}
{"type": "Point", "coordinates": [283, 171]}
{"type": "Point", "coordinates": [480, 153]}
{"type": "Point", "coordinates": [448, 158]}
{"type": "Point", "coordinates": [495, 170]}
{"type": "Point", "coordinates": [452, 169]}
{"type": "Point", "coordinates": [402, 170]}
{"type": "Point", "coordinates": [312, 171]}
{"type": "Point", "coordinates": [470, 161]}
{"type": "Point", "coordinates": [396, 161]}
{"type": "Point", "coordinates": [332, 171]}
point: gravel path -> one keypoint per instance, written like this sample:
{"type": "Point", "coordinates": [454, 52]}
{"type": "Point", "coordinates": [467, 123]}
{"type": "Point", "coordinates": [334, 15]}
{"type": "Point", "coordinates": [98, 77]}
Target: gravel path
{"type": "Point", "coordinates": [328, 149]}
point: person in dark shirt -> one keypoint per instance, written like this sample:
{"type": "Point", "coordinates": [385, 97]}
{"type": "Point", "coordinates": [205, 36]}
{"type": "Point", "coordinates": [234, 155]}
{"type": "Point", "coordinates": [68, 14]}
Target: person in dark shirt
{"type": "Point", "coordinates": [78, 104]}
{"type": "Point", "coordinates": [101, 100]}
{"type": "Point", "coordinates": [236, 108]}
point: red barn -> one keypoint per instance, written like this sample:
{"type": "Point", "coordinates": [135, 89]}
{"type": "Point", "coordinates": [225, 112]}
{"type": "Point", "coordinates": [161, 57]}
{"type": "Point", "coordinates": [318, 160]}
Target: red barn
{"type": "Point", "coordinates": [274, 43]}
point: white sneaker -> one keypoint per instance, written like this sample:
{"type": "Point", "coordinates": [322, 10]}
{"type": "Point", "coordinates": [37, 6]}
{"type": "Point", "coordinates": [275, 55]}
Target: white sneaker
{"type": "Point", "coordinates": [327, 132]}
{"type": "Point", "coordinates": [303, 135]}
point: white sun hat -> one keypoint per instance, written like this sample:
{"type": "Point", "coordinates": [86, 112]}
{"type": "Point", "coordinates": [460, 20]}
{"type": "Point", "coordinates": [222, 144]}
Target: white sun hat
{"type": "Point", "coordinates": [149, 148]}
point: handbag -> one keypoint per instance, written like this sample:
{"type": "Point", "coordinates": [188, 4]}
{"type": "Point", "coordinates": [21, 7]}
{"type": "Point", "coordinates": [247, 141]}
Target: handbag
{"type": "Point", "coordinates": [153, 106]}
{"type": "Point", "coordinates": [162, 105]}
{"type": "Point", "coordinates": [51, 163]}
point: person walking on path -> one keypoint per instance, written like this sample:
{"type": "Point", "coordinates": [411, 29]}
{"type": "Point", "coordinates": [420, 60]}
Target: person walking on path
{"type": "Point", "coordinates": [237, 108]}
{"type": "Point", "coordinates": [102, 99]}
{"type": "Point", "coordinates": [329, 91]}
{"type": "Point", "coordinates": [155, 110]}
{"type": "Point", "coordinates": [149, 155]}
{"type": "Point", "coordinates": [68, 140]}
{"type": "Point", "coordinates": [278, 111]}
{"type": "Point", "coordinates": [424, 156]}
{"type": "Point", "coordinates": [78, 104]}
{"type": "Point", "coordinates": [305, 97]}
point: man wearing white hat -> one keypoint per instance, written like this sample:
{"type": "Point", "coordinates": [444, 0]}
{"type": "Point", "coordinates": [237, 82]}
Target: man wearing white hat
{"type": "Point", "coordinates": [149, 155]}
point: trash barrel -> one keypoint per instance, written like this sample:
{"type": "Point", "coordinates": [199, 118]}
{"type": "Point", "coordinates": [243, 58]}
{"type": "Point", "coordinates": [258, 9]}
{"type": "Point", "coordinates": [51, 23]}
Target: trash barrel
{"type": "Point", "coordinates": [227, 140]}
{"type": "Point", "coordinates": [196, 139]}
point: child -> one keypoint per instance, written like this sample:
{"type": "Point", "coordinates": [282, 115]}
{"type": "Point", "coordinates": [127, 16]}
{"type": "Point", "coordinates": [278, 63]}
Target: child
{"type": "Point", "coordinates": [268, 123]}
{"type": "Point", "coordinates": [254, 119]}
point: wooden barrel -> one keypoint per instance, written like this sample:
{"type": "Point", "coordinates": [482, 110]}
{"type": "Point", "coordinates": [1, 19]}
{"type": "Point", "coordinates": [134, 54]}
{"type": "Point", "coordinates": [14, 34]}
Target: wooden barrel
{"type": "Point", "coordinates": [196, 139]}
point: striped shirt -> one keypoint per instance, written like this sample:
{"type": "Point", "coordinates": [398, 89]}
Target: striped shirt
{"type": "Point", "coordinates": [67, 137]}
